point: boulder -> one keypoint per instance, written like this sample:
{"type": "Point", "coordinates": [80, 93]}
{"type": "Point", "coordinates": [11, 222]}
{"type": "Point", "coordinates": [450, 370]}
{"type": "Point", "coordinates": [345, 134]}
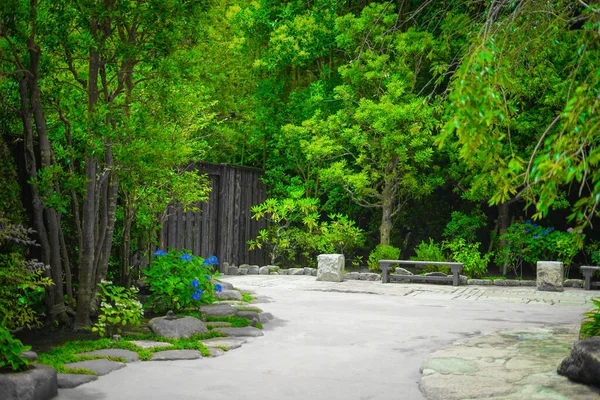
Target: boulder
{"type": "Point", "coordinates": [70, 381]}
{"type": "Point", "coordinates": [576, 283]}
{"type": "Point", "coordinates": [30, 355]}
{"type": "Point", "coordinates": [370, 276]}
{"type": "Point", "coordinates": [247, 314]}
{"type": "Point", "coordinates": [284, 272]}
{"type": "Point", "coordinates": [263, 270]}
{"type": "Point", "coordinates": [38, 383]}
{"type": "Point", "coordinates": [273, 267]}
{"type": "Point", "coordinates": [550, 276]}
{"type": "Point", "coordinates": [253, 270]}
{"type": "Point", "coordinates": [352, 276]}
{"type": "Point", "coordinates": [265, 317]}
{"type": "Point", "coordinates": [308, 271]}
{"type": "Point", "coordinates": [435, 274]}
{"type": "Point", "coordinates": [224, 285]}
{"type": "Point", "coordinates": [244, 266]}
{"type": "Point", "coordinates": [403, 271]}
{"type": "Point", "coordinates": [583, 364]}
{"type": "Point", "coordinates": [330, 267]}
{"type": "Point", "coordinates": [296, 271]}
{"type": "Point", "coordinates": [229, 294]}
{"type": "Point", "coordinates": [177, 328]}
{"type": "Point", "coordinates": [233, 270]}
{"type": "Point", "coordinates": [313, 272]}
{"type": "Point", "coordinates": [242, 271]}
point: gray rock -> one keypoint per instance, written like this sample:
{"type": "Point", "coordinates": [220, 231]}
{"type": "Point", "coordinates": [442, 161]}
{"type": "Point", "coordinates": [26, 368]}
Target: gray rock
{"type": "Point", "coordinates": [245, 331]}
{"type": "Point", "coordinates": [128, 355]}
{"type": "Point", "coordinates": [183, 327]}
{"type": "Point", "coordinates": [527, 283]}
{"type": "Point", "coordinates": [169, 355]}
{"type": "Point", "coordinates": [215, 352]}
{"type": "Point", "coordinates": [232, 270]}
{"type": "Point", "coordinates": [69, 381]}
{"type": "Point", "coordinates": [247, 314]}
{"type": "Point", "coordinates": [313, 272]}
{"type": "Point", "coordinates": [263, 270]}
{"type": "Point", "coordinates": [247, 307]}
{"type": "Point", "coordinates": [30, 355]}
{"type": "Point", "coordinates": [218, 324]}
{"type": "Point", "coordinates": [506, 282]}
{"type": "Point", "coordinates": [462, 279]}
{"type": "Point", "coordinates": [403, 271]}
{"type": "Point", "coordinates": [370, 276]}
{"type": "Point", "coordinates": [435, 274]}
{"type": "Point", "coordinates": [296, 271]}
{"type": "Point", "coordinates": [217, 310]}
{"type": "Point", "coordinates": [226, 343]}
{"type": "Point", "coordinates": [242, 271]}
{"type": "Point", "coordinates": [253, 270]}
{"type": "Point", "coordinates": [100, 366]}
{"type": "Point", "coordinates": [308, 271]}
{"type": "Point", "coordinates": [583, 364]}
{"type": "Point", "coordinates": [273, 268]}
{"type": "Point", "coordinates": [229, 294]}
{"type": "Point", "coordinates": [283, 272]}
{"type": "Point", "coordinates": [273, 273]}
{"type": "Point", "coordinates": [38, 383]}
{"type": "Point", "coordinates": [352, 276]}
{"type": "Point", "coordinates": [500, 282]}
{"type": "Point", "coordinates": [480, 282]}
{"type": "Point", "coordinates": [244, 266]}
{"type": "Point", "coordinates": [330, 267]}
{"type": "Point", "coordinates": [224, 285]}
{"type": "Point", "coordinates": [576, 283]}
{"type": "Point", "coordinates": [550, 276]}
{"type": "Point", "coordinates": [265, 317]}
{"type": "Point", "coordinates": [149, 344]}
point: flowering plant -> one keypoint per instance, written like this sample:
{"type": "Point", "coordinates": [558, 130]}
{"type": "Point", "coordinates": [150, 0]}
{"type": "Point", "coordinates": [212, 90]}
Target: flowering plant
{"type": "Point", "coordinates": [529, 242]}
{"type": "Point", "coordinates": [119, 307]}
{"type": "Point", "coordinates": [179, 280]}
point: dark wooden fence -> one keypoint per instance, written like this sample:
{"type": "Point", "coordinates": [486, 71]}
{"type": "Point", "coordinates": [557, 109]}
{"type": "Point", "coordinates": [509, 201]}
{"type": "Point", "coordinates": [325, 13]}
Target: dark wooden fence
{"type": "Point", "coordinates": [225, 224]}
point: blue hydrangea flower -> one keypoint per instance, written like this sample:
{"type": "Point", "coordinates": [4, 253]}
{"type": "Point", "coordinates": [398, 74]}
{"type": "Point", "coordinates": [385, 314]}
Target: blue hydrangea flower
{"type": "Point", "coordinates": [527, 230]}
{"type": "Point", "coordinates": [196, 296]}
{"type": "Point", "coordinates": [160, 253]}
{"type": "Point", "coordinates": [195, 283]}
{"type": "Point", "coordinates": [207, 277]}
{"type": "Point", "coordinates": [550, 229]}
{"type": "Point", "coordinates": [535, 225]}
{"type": "Point", "coordinates": [528, 222]}
{"type": "Point", "coordinates": [544, 232]}
{"type": "Point", "coordinates": [186, 257]}
{"type": "Point", "coordinates": [536, 237]}
{"type": "Point", "coordinates": [213, 260]}
{"type": "Point", "coordinates": [199, 291]}
{"type": "Point", "coordinates": [206, 261]}
{"type": "Point", "coordinates": [218, 288]}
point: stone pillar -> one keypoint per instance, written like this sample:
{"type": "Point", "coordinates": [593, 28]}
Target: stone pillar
{"type": "Point", "coordinates": [550, 276]}
{"type": "Point", "coordinates": [330, 267]}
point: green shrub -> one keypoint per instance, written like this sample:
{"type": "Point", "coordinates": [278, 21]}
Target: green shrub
{"type": "Point", "coordinates": [382, 252]}
{"type": "Point", "coordinates": [10, 352]}
{"type": "Point", "coordinates": [475, 265]}
{"type": "Point", "coordinates": [431, 252]}
{"type": "Point", "coordinates": [591, 325]}
{"type": "Point", "coordinates": [464, 226]}
{"type": "Point", "coordinates": [119, 307]}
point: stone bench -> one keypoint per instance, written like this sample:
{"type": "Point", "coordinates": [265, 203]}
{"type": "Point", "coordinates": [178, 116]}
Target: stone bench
{"type": "Point", "coordinates": [588, 273]}
{"type": "Point", "coordinates": [386, 266]}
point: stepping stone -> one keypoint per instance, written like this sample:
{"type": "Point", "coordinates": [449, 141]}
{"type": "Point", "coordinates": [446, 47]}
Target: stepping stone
{"type": "Point", "coordinates": [247, 314]}
{"type": "Point", "coordinates": [128, 355]}
{"type": "Point", "coordinates": [69, 381]}
{"type": "Point", "coordinates": [100, 367]}
{"type": "Point", "coordinates": [227, 343]}
{"type": "Point", "coordinates": [246, 331]}
{"type": "Point", "coordinates": [218, 324]}
{"type": "Point", "coordinates": [169, 355]}
{"type": "Point", "coordinates": [228, 294]}
{"type": "Point", "coordinates": [246, 307]}
{"type": "Point", "coordinates": [265, 317]}
{"type": "Point", "coordinates": [149, 344]}
{"type": "Point", "coordinates": [217, 310]}
{"type": "Point", "coordinates": [224, 285]}
{"type": "Point", "coordinates": [215, 352]}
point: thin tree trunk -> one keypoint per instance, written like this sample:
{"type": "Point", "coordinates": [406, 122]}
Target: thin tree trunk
{"type": "Point", "coordinates": [126, 242]}
{"type": "Point", "coordinates": [387, 210]}
{"type": "Point", "coordinates": [503, 225]}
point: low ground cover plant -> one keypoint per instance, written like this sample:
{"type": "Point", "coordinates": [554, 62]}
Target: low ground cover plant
{"type": "Point", "coordinates": [119, 308]}
{"type": "Point", "coordinates": [10, 352]}
{"type": "Point", "coordinates": [591, 324]}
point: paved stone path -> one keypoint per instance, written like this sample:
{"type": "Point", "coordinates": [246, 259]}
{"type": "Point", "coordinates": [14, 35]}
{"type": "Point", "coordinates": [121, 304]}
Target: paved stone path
{"type": "Point", "coordinates": [355, 340]}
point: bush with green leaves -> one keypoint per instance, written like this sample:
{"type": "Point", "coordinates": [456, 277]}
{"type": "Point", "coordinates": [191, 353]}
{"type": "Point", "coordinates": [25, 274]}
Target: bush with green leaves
{"type": "Point", "coordinates": [528, 242]}
{"type": "Point", "coordinates": [119, 308]}
{"type": "Point", "coordinates": [431, 252]}
{"type": "Point", "coordinates": [464, 226]}
{"type": "Point", "coordinates": [475, 264]}
{"type": "Point", "coordinates": [382, 252]}
{"type": "Point", "coordinates": [10, 351]}
{"type": "Point", "coordinates": [178, 280]}
{"type": "Point", "coordinates": [591, 324]}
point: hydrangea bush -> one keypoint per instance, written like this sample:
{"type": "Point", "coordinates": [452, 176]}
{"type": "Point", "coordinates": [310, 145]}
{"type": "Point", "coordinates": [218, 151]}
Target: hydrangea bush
{"type": "Point", "coordinates": [178, 280]}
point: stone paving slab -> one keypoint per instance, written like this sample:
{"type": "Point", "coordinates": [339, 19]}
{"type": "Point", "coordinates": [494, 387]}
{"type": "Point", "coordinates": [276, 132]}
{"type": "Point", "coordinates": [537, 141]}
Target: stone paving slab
{"type": "Point", "coordinates": [215, 352]}
{"type": "Point", "coordinates": [218, 324]}
{"type": "Point", "coordinates": [227, 343]}
{"type": "Point", "coordinates": [512, 364]}
{"type": "Point", "coordinates": [171, 355]}
{"type": "Point", "coordinates": [100, 366]}
{"type": "Point", "coordinates": [246, 331]}
{"type": "Point", "coordinates": [68, 381]}
{"type": "Point", "coordinates": [218, 310]}
{"type": "Point", "coordinates": [128, 355]}
{"type": "Point", "coordinates": [149, 344]}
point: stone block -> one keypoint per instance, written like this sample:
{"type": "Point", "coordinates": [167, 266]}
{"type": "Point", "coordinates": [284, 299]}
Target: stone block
{"type": "Point", "coordinates": [233, 270]}
{"type": "Point", "coordinates": [576, 283]}
{"type": "Point", "coordinates": [253, 270]}
{"type": "Point", "coordinates": [330, 267]}
{"type": "Point", "coordinates": [550, 276]}
{"type": "Point", "coordinates": [38, 383]}
{"type": "Point", "coordinates": [263, 270]}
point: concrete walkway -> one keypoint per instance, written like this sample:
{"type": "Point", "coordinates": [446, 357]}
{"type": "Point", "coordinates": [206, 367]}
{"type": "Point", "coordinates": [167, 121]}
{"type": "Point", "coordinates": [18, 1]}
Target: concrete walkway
{"type": "Point", "coordinates": [351, 340]}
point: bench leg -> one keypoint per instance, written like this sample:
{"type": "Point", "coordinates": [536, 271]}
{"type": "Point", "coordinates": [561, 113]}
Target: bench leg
{"type": "Point", "coordinates": [385, 272]}
{"type": "Point", "coordinates": [455, 276]}
{"type": "Point", "coordinates": [587, 285]}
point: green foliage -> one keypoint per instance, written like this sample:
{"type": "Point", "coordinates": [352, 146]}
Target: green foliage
{"type": "Point", "coordinates": [178, 281]}
{"type": "Point", "coordinates": [235, 322]}
{"type": "Point", "coordinates": [10, 352]}
{"type": "Point", "coordinates": [382, 252]}
{"type": "Point", "coordinates": [247, 297]}
{"type": "Point", "coordinates": [591, 324]}
{"type": "Point", "coordinates": [431, 252]}
{"type": "Point", "coordinates": [119, 308]}
{"type": "Point", "coordinates": [475, 264]}
{"type": "Point", "coordinates": [531, 243]}
{"type": "Point", "coordinates": [464, 226]}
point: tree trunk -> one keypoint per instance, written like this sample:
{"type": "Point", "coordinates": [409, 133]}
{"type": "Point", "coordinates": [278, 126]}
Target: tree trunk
{"type": "Point", "coordinates": [387, 211]}
{"type": "Point", "coordinates": [503, 225]}
{"type": "Point", "coordinates": [126, 242]}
